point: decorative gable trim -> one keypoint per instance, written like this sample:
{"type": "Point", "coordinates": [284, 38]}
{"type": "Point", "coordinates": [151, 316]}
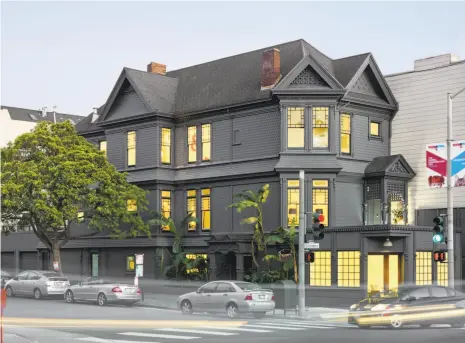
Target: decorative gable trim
{"type": "Point", "coordinates": [359, 82]}
{"type": "Point", "coordinates": [116, 91]}
{"type": "Point", "coordinates": [309, 76]}
{"type": "Point", "coordinates": [400, 167]}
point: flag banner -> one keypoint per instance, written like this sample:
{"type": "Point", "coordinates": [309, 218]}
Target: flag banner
{"type": "Point", "coordinates": [436, 165]}
{"type": "Point", "coordinates": [457, 156]}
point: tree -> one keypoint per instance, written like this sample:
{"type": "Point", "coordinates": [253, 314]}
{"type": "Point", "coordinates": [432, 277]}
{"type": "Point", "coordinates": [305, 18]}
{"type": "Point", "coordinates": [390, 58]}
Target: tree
{"type": "Point", "coordinates": [52, 178]}
{"type": "Point", "coordinates": [251, 200]}
{"type": "Point", "coordinates": [178, 258]}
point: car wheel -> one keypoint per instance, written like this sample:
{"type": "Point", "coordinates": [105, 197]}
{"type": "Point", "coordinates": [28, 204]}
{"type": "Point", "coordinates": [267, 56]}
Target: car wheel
{"type": "Point", "coordinates": [37, 294]}
{"type": "Point", "coordinates": [396, 322]}
{"type": "Point", "coordinates": [259, 315]}
{"type": "Point", "coordinates": [69, 297]}
{"type": "Point", "coordinates": [101, 299]}
{"type": "Point", "coordinates": [9, 291]}
{"type": "Point", "coordinates": [186, 307]}
{"type": "Point", "coordinates": [457, 325]}
{"type": "Point", "coordinates": [232, 310]}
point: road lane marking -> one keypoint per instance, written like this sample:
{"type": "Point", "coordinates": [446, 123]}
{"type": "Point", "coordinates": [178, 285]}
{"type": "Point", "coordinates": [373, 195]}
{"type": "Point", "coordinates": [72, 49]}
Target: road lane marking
{"type": "Point", "coordinates": [308, 324]}
{"type": "Point", "coordinates": [154, 335]}
{"type": "Point", "coordinates": [200, 332]}
{"type": "Point", "coordinates": [235, 329]}
{"type": "Point", "coordinates": [101, 340]}
{"type": "Point", "coordinates": [274, 327]}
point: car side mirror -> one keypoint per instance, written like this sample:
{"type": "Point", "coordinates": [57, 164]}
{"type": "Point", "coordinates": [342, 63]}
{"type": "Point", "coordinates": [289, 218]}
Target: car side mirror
{"type": "Point", "coordinates": [197, 291]}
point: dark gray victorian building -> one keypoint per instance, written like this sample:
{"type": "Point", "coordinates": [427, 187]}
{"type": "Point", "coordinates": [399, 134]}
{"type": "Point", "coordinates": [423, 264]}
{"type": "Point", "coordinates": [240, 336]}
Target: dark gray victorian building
{"type": "Point", "coordinates": [196, 136]}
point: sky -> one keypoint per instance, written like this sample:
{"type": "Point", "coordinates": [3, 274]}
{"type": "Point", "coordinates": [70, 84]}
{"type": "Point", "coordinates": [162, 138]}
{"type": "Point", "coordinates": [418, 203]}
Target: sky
{"type": "Point", "coordinates": [70, 54]}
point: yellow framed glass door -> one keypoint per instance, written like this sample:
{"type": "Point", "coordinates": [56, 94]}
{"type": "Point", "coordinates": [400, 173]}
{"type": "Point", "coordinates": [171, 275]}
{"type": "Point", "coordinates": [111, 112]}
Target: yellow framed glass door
{"type": "Point", "coordinates": [385, 273]}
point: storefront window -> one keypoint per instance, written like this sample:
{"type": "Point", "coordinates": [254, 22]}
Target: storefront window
{"type": "Point", "coordinates": [348, 268]}
{"type": "Point", "coordinates": [423, 268]}
{"type": "Point", "coordinates": [320, 270]}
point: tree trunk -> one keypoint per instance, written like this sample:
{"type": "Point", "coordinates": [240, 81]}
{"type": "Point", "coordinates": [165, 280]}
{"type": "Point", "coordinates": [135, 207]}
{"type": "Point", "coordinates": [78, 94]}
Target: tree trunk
{"type": "Point", "coordinates": [56, 257]}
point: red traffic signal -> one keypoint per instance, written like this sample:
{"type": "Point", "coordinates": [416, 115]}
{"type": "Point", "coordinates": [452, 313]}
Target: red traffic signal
{"type": "Point", "coordinates": [321, 218]}
{"type": "Point", "coordinates": [318, 217]}
{"type": "Point", "coordinates": [310, 257]}
{"type": "Point", "coordinates": [440, 256]}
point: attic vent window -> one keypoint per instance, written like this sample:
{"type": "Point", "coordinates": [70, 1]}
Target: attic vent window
{"type": "Point", "coordinates": [32, 116]}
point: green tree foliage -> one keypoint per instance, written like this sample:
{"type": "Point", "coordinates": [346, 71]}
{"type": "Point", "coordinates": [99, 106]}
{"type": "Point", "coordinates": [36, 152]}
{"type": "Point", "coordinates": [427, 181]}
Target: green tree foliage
{"type": "Point", "coordinates": [253, 200]}
{"type": "Point", "coordinates": [51, 174]}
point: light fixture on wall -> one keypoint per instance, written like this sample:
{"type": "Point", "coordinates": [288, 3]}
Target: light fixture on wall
{"type": "Point", "coordinates": [387, 244]}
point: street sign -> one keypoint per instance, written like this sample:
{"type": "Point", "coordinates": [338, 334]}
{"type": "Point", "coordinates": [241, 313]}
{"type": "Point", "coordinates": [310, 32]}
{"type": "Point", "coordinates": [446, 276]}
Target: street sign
{"type": "Point", "coordinates": [311, 245]}
{"type": "Point", "coordinates": [55, 265]}
{"type": "Point", "coordinates": [139, 270]}
{"type": "Point", "coordinates": [139, 258]}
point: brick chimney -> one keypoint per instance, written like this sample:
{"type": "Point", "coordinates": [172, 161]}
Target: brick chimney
{"type": "Point", "coordinates": [271, 68]}
{"type": "Point", "coordinates": [156, 68]}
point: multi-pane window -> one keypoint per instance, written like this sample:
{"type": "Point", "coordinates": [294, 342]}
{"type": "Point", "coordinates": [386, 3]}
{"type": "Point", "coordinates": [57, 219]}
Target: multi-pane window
{"type": "Point", "coordinates": [295, 127]}
{"type": "Point", "coordinates": [442, 273]}
{"type": "Point", "coordinates": [424, 268]}
{"type": "Point", "coordinates": [194, 257]}
{"type": "Point", "coordinates": [80, 216]}
{"type": "Point", "coordinates": [206, 142]}
{"type": "Point", "coordinates": [131, 148]}
{"type": "Point", "coordinates": [192, 144]}
{"type": "Point", "coordinates": [293, 202]}
{"type": "Point", "coordinates": [102, 145]}
{"type": "Point", "coordinates": [192, 208]}
{"type": "Point", "coordinates": [320, 270]}
{"type": "Point", "coordinates": [320, 201]}
{"type": "Point", "coordinates": [320, 127]}
{"type": "Point", "coordinates": [165, 207]}
{"type": "Point", "coordinates": [131, 205]}
{"type": "Point", "coordinates": [165, 145]}
{"type": "Point", "coordinates": [205, 209]}
{"type": "Point", "coordinates": [375, 129]}
{"type": "Point", "coordinates": [345, 134]}
{"type": "Point", "coordinates": [348, 268]}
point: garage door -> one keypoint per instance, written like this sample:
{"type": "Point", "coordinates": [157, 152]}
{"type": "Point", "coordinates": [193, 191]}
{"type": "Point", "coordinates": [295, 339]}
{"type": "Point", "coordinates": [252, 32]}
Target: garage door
{"type": "Point", "coordinates": [28, 260]}
{"type": "Point", "coordinates": [8, 262]}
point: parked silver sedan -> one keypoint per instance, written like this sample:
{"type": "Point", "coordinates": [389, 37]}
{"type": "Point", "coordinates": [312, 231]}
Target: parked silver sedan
{"type": "Point", "coordinates": [37, 283]}
{"type": "Point", "coordinates": [102, 291]}
{"type": "Point", "coordinates": [232, 297]}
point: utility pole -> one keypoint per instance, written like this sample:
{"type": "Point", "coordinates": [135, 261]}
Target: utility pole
{"type": "Point", "coordinates": [450, 194]}
{"type": "Point", "coordinates": [302, 243]}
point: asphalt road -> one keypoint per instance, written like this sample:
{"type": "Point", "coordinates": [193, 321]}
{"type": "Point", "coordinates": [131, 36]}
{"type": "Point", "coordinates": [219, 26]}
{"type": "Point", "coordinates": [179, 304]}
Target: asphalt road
{"type": "Point", "coordinates": [53, 321]}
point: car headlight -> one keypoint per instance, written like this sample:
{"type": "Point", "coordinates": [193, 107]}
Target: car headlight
{"type": "Point", "coordinates": [353, 307]}
{"type": "Point", "coordinates": [380, 307]}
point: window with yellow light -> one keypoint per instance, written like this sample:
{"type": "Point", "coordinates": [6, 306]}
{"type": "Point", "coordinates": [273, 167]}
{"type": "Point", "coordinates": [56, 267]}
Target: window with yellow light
{"type": "Point", "coordinates": [206, 142]}
{"type": "Point", "coordinates": [295, 127]}
{"type": "Point", "coordinates": [320, 198]}
{"type": "Point", "coordinates": [320, 127]}
{"type": "Point", "coordinates": [348, 268]}
{"type": "Point", "coordinates": [346, 123]}
{"type": "Point", "coordinates": [131, 205]}
{"type": "Point", "coordinates": [166, 207]}
{"type": "Point", "coordinates": [206, 212]}
{"type": "Point", "coordinates": [192, 208]}
{"type": "Point", "coordinates": [166, 145]}
{"type": "Point", "coordinates": [424, 268]}
{"type": "Point", "coordinates": [192, 144]}
{"type": "Point", "coordinates": [320, 269]}
{"type": "Point", "coordinates": [293, 202]}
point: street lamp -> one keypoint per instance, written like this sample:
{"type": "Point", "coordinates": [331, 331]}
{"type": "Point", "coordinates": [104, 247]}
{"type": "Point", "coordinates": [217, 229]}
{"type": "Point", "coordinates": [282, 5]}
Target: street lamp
{"type": "Point", "coordinates": [450, 200]}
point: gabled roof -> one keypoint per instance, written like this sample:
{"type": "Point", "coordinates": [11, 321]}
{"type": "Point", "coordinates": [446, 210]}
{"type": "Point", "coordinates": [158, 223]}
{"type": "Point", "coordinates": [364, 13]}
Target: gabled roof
{"type": "Point", "coordinates": [231, 81]}
{"type": "Point", "coordinates": [393, 165]}
{"type": "Point", "coordinates": [24, 114]}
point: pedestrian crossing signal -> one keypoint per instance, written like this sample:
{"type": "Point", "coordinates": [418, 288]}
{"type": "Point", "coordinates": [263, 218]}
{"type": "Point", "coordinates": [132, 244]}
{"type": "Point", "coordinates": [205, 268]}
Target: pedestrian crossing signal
{"type": "Point", "coordinates": [310, 257]}
{"type": "Point", "coordinates": [440, 256]}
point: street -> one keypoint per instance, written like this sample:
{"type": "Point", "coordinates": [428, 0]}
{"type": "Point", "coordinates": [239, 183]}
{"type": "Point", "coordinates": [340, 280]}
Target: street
{"type": "Point", "coordinates": [52, 321]}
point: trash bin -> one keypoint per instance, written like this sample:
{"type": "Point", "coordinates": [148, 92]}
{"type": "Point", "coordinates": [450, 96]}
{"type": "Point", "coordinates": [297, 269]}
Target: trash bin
{"type": "Point", "coordinates": [285, 294]}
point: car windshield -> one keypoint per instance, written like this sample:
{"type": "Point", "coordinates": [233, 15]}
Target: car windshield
{"type": "Point", "coordinates": [247, 286]}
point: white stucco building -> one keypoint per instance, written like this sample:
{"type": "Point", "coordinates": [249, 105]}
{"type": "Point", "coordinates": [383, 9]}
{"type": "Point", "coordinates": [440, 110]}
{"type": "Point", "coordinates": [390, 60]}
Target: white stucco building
{"type": "Point", "coordinates": [421, 120]}
{"type": "Point", "coordinates": [15, 121]}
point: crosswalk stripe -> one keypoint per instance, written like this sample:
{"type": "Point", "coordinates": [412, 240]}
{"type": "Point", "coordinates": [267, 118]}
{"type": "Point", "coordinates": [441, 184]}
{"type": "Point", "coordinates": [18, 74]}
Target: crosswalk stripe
{"type": "Point", "coordinates": [101, 340]}
{"type": "Point", "coordinates": [274, 327]}
{"type": "Point", "coordinates": [295, 325]}
{"type": "Point", "coordinates": [235, 329]}
{"type": "Point", "coordinates": [154, 335]}
{"type": "Point", "coordinates": [202, 332]}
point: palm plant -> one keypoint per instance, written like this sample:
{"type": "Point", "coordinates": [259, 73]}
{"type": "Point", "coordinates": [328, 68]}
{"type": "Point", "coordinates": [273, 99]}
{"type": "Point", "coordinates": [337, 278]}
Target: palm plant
{"type": "Point", "coordinates": [178, 256]}
{"type": "Point", "coordinates": [253, 200]}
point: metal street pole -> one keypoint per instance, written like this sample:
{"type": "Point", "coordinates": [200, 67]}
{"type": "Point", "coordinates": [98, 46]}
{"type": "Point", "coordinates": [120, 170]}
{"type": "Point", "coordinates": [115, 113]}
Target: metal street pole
{"type": "Point", "coordinates": [301, 243]}
{"type": "Point", "coordinates": [450, 194]}
{"type": "Point", "coordinates": [450, 198]}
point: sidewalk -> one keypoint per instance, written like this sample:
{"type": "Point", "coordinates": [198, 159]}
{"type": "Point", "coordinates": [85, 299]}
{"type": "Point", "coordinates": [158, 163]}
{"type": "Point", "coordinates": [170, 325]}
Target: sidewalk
{"type": "Point", "coordinates": [19, 334]}
{"type": "Point", "coordinates": [167, 301]}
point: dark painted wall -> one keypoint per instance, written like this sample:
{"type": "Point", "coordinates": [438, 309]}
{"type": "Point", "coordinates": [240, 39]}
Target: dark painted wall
{"type": "Point", "coordinates": [349, 199]}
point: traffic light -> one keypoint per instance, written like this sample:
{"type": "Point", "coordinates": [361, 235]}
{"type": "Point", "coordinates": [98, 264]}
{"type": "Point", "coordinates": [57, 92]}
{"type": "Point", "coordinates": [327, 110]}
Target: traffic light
{"type": "Point", "coordinates": [309, 257]}
{"type": "Point", "coordinates": [317, 227]}
{"type": "Point", "coordinates": [440, 256]}
{"type": "Point", "coordinates": [438, 229]}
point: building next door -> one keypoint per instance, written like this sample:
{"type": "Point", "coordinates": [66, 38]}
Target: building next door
{"type": "Point", "coordinates": [385, 273]}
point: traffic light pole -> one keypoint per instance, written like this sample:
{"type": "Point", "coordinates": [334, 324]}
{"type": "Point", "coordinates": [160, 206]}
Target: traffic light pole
{"type": "Point", "coordinates": [302, 243]}
{"type": "Point", "coordinates": [450, 198]}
